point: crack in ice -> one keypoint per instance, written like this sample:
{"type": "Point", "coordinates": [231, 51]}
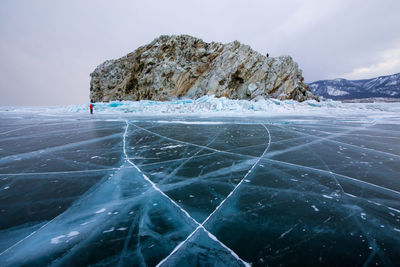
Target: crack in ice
{"type": "Point", "coordinates": [28, 236]}
{"type": "Point", "coordinates": [98, 168]}
{"type": "Point", "coordinates": [60, 172]}
{"type": "Point", "coordinates": [22, 128]}
{"type": "Point", "coordinates": [200, 226]}
{"type": "Point", "coordinates": [328, 172]}
{"type": "Point", "coordinates": [187, 143]}
{"type": "Point", "coordinates": [331, 173]}
{"type": "Point", "coordinates": [32, 154]}
{"type": "Point", "coordinates": [186, 161]}
{"type": "Point", "coordinates": [318, 140]}
{"type": "Point", "coordinates": [329, 139]}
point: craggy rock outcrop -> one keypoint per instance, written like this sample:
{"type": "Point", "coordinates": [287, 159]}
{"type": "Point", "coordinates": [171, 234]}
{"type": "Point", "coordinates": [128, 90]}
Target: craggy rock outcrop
{"type": "Point", "coordinates": [177, 66]}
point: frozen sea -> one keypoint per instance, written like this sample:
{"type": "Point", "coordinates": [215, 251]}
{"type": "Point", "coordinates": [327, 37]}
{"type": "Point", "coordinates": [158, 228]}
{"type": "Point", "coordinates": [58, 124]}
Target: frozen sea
{"type": "Point", "coordinates": [305, 185]}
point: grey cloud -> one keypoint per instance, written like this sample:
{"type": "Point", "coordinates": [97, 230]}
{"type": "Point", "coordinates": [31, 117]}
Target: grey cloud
{"type": "Point", "coordinates": [48, 48]}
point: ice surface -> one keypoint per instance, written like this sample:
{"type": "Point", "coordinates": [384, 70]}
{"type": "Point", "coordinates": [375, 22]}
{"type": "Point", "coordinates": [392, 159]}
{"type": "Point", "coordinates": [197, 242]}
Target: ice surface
{"type": "Point", "coordinates": [200, 190]}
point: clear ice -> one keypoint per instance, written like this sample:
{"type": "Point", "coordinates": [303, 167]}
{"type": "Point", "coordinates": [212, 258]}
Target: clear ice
{"type": "Point", "coordinates": [126, 190]}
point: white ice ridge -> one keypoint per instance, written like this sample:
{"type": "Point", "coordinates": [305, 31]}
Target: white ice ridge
{"type": "Point", "coordinates": [201, 226]}
{"type": "Point", "coordinates": [174, 203]}
{"type": "Point", "coordinates": [214, 105]}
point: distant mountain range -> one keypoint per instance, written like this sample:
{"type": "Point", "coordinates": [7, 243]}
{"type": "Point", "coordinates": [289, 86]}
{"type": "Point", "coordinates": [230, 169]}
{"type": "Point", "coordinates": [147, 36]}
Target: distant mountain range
{"type": "Point", "coordinates": [342, 89]}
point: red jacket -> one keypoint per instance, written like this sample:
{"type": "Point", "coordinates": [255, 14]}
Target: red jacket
{"type": "Point", "coordinates": [91, 106]}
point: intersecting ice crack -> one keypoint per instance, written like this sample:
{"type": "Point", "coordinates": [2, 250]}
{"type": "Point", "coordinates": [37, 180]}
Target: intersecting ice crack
{"type": "Point", "coordinates": [291, 164]}
{"type": "Point", "coordinates": [31, 234]}
{"type": "Point", "coordinates": [330, 139]}
{"type": "Point", "coordinates": [32, 154]}
{"type": "Point", "coordinates": [200, 226]}
{"type": "Point", "coordinates": [60, 172]}
{"type": "Point", "coordinates": [190, 144]}
{"type": "Point", "coordinates": [22, 128]}
{"type": "Point", "coordinates": [257, 160]}
{"type": "Point", "coordinates": [203, 155]}
{"type": "Point", "coordinates": [316, 141]}
{"type": "Point", "coordinates": [329, 172]}
{"type": "Point", "coordinates": [187, 160]}
{"type": "Point", "coordinates": [296, 165]}
{"type": "Point", "coordinates": [283, 162]}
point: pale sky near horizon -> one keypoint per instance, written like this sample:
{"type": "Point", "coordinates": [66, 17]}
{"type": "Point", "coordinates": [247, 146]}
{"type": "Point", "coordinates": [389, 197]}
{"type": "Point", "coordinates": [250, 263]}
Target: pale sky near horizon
{"type": "Point", "coordinates": [48, 48]}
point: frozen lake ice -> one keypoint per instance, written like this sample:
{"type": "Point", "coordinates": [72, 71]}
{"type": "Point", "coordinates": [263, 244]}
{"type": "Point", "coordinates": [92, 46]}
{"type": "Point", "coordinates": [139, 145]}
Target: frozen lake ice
{"type": "Point", "coordinates": [133, 190]}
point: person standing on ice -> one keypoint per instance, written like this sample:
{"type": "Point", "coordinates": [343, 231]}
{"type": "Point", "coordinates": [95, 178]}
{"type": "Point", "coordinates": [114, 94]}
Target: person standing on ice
{"type": "Point", "coordinates": [91, 108]}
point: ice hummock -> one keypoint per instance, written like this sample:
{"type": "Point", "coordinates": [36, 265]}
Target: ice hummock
{"type": "Point", "coordinates": [213, 105]}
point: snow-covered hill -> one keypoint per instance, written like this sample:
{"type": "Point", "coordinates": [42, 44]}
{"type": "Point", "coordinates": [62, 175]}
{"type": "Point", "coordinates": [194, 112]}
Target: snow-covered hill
{"type": "Point", "coordinates": [342, 89]}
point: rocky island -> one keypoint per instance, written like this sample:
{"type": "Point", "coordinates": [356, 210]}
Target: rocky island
{"type": "Point", "coordinates": [185, 66]}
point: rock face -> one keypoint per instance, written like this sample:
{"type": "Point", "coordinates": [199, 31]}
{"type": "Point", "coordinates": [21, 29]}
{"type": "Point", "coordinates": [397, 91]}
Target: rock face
{"type": "Point", "coordinates": [177, 66]}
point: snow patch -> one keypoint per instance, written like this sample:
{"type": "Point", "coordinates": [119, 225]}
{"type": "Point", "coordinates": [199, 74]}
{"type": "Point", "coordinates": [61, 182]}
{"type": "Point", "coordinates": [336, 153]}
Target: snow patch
{"type": "Point", "coordinates": [335, 92]}
{"type": "Point", "coordinates": [57, 239]}
{"type": "Point", "coordinates": [109, 230]}
{"type": "Point", "coordinates": [86, 223]}
{"type": "Point", "coordinates": [314, 207]}
{"type": "Point", "coordinates": [73, 233]}
{"type": "Point", "coordinates": [100, 211]}
{"type": "Point", "coordinates": [170, 147]}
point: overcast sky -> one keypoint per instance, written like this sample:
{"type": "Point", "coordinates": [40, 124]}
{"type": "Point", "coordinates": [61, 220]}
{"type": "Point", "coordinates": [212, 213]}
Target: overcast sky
{"type": "Point", "coordinates": [48, 48]}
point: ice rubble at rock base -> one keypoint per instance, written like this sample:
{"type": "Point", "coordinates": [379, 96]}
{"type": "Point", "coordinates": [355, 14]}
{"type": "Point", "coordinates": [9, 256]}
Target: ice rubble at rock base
{"type": "Point", "coordinates": [217, 106]}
